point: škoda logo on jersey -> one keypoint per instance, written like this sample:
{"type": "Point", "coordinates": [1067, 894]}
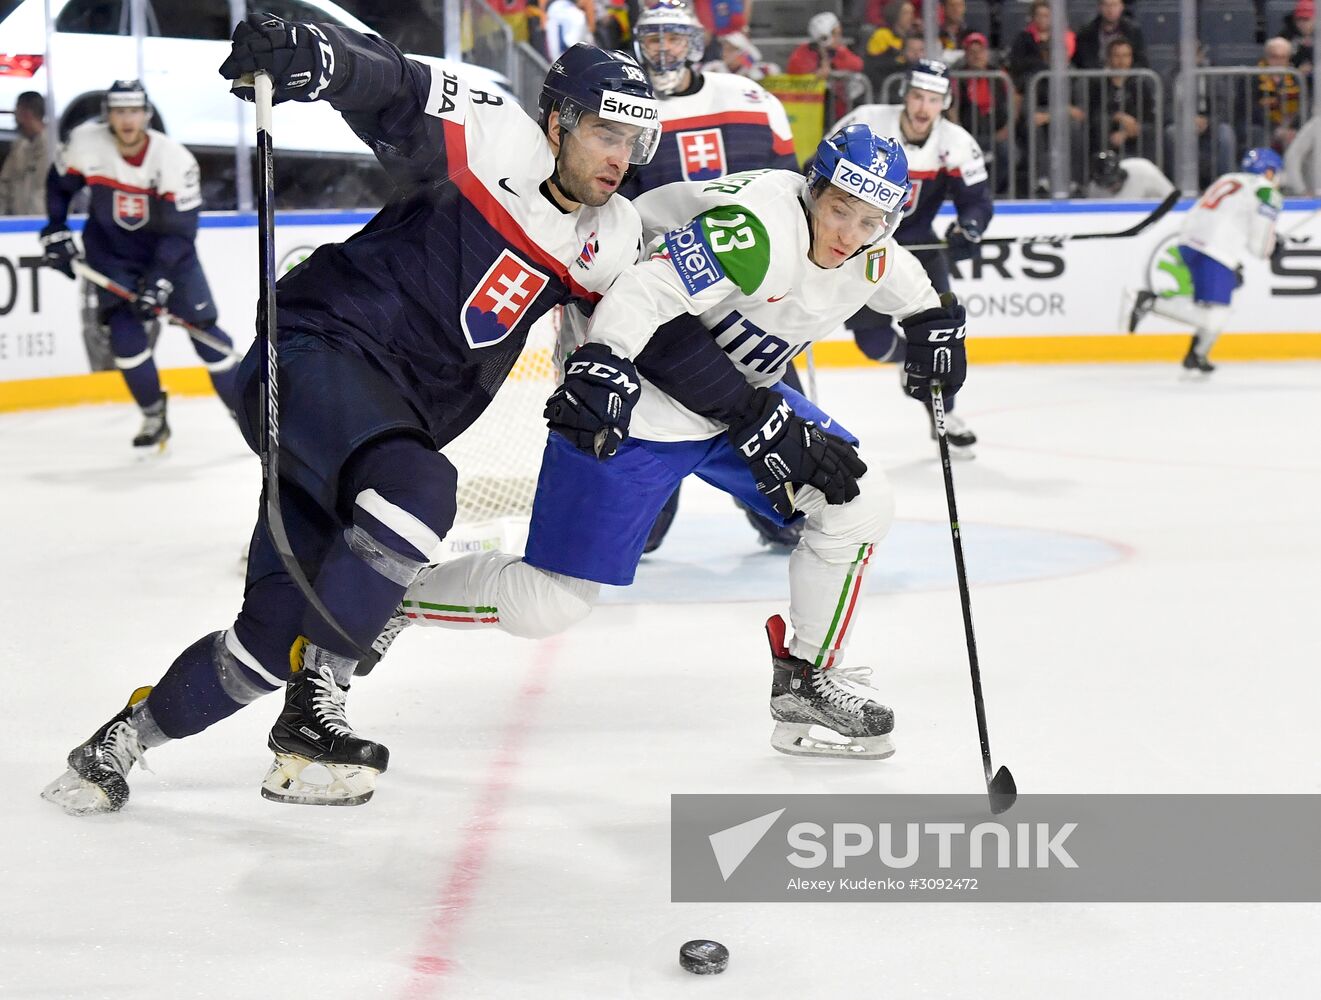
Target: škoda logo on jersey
{"type": "Point", "coordinates": [131, 210]}
{"type": "Point", "coordinates": [500, 300]}
{"type": "Point", "coordinates": [702, 154]}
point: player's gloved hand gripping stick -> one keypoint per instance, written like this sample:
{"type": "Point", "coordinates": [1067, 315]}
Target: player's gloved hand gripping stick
{"type": "Point", "coordinates": [89, 273]}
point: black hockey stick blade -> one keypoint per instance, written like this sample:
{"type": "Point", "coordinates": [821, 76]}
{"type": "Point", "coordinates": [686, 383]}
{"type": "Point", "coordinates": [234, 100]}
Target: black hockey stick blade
{"type": "Point", "coordinates": [1157, 213]}
{"type": "Point", "coordinates": [1002, 791]}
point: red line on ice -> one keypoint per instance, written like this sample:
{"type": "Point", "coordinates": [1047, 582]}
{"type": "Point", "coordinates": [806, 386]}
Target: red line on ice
{"type": "Point", "coordinates": [432, 961]}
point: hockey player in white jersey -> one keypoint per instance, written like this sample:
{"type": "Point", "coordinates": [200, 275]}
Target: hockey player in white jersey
{"type": "Point", "coordinates": [944, 160]}
{"type": "Point", "coordinates": [712, 125]}
{"type": "Point", "coordinates": [140, 229]}
{"type": "Point", "coordinates": [751, 269]}
{"type": "Point", "coordinates": [1233, 219]}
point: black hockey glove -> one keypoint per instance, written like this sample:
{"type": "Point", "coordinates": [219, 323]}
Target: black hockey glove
{"type": "Point", "coordinates": [784, 451]}
{"type": "Point", "coordinates": [962, 238]}
{"type": "Point", "coordinates": [58, 249]}
{"type": "Point", "coordinates": [936, 351]}
{"type": "Point", "coordinates": [593, 404]}
{"type": "Point", "coordinates": [152, 296]}
{"type": "Point", "coordinates": [300, 57]}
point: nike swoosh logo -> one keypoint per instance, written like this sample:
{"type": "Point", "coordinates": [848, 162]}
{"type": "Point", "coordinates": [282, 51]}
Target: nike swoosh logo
{"type": "Point", "coordinates": [776, 298]}
{"type": "Point", "coordinates": [201, 305]}
{"type": "Point", "coordinates": [825, 424]}
{"type": "Point", "coordinates": [502, 183]}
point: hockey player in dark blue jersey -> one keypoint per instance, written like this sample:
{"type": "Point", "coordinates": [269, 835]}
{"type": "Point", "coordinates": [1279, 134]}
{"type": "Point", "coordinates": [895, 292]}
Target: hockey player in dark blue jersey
{"type": "Point", "coordinates": [140, 232]}
{"type": "Point", "coordinates": [390, 345]}
{"type": "Point", "coordinates": [713, 125]}
{"type": "Point", "coordinates": [944, 161]}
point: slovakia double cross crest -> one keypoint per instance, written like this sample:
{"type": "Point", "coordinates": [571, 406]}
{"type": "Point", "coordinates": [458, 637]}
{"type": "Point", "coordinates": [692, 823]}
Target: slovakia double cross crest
{"type": "Point", "coordinates": [132, 209]}
{"type": "Point", "coordinates": [702, 154]}
{"type": "Point", "coordinates": [500, 300]}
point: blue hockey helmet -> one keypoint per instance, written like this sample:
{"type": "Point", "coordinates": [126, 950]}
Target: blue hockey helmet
{"type": "Point", "coordinates": [668, 39]}
{"type": "Point", "coordinates": [585, 79]}
{"type": "Point", "coordinates": [1260, 159]}
{"type": "Point", "coordinates": [125, 94]}
{"type": "Point", "coordinates": [867, 166]}
{"type": "Point", "coordinates": [930, 75]}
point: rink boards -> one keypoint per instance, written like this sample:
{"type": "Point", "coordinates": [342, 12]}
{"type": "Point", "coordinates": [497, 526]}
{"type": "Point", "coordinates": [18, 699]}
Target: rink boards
{"type": "Point", "coordinates": [1032, 302]}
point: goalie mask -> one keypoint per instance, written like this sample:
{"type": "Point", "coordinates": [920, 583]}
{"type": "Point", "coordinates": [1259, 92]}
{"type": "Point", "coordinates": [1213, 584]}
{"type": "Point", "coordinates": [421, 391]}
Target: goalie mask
{"type": "Point", "coordinates": [871, 169]}
{"type": "Point", "coordinates": [668, 40]}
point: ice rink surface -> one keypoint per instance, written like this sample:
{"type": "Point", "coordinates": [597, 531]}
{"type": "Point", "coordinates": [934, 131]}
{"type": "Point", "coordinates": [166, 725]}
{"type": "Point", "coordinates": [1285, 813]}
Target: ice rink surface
{"type": "Point", "coordinates": [1146, 567]}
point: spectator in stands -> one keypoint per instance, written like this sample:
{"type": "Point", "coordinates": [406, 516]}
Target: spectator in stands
{"type": "Point", "coordinates": [1217, 143]}
{"type": "Point", "coordinates": [824, 52]}
{"type": "Point", "coordinates": [887, 41]}
{"type": "Point", "coordinates": [566, 24]}
{"type": "Point", "coordinates": [1122, 106]}
{"type": "Point", "coordinates": [953, 20]}
{"type": "Point", "coordinates": [23, 176]}
{"type": "Point", "coordinates": [986, 107]}
{"type": "Point", "coordinates": [1300, 160]}
{"type": "Point", "coordinates": [1029, 55]}
{"type": "Point", "coordinates": [1127, 178]}
{"type": "Point", "coordinates": [1030, 52]}
{"type": "Point", "coordinates": [1278, 94]}
{"type": "Point", "coordinates": [1298, 28]}
{"type": "Point", "coordinates": [1110, 23]}
{"type": "Point", "coordinates": [739, 56]}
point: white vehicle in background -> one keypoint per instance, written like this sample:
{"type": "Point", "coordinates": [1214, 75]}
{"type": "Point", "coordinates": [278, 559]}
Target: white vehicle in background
{"type": "Point", "coordinates": [184, 44]}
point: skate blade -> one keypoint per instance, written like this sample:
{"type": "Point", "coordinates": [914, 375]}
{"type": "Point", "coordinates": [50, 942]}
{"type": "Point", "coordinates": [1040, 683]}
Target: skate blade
{"type": "Point", "coordinates": [77, 796]}
{"type": "Point", "coordinates": [349, 784]}
{"type": "Point", "coordinates": [796, 740]}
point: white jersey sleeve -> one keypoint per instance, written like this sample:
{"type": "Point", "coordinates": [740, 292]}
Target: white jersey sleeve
{"type": "Point", "coordinates": [1234, 217]}
{"type": "Point", "coordinates": [180, 181]}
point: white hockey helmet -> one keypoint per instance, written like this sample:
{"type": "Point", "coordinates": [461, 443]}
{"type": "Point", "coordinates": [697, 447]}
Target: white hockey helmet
{"type": "Point", "coordinates": [668, 39]}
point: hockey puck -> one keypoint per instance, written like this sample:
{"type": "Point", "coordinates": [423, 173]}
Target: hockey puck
{"type": "Point", "coordinates": [704, 958]}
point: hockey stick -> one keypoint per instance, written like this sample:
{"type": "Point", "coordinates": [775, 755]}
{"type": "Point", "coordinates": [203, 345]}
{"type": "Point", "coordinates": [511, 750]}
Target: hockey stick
{"type": "Point", "coordinates": [1000, 789]}
{"type": "Point", "coordinates": [1158, 213]}
{"type": "Point", "coordinates": [87, 272]}
{"type": "Point", "coordinates": [811, 374]}
{"type": "Point", "coordinates": [267, 335]}
{"type": "Point", "coordinates": [1302, 224]}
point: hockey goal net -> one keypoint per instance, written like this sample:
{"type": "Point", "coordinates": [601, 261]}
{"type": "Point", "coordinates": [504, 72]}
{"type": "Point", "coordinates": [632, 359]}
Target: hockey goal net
{"type": "Point", "coordinates": [499, 456]}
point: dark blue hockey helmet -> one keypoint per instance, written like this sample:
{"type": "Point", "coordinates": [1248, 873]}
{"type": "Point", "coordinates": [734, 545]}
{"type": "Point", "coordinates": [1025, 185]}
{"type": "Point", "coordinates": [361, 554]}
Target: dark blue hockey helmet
{"type": "Point", "coordinates": [1260, 159]}
{"type": "Point", "coordinates": [867, 166]}
{"type": "Point", "coordinates": [929, 75]}
{"type": "Point", "coordinates": [125, 94]}
{"type": "Point", "coordinates": [606, 83]}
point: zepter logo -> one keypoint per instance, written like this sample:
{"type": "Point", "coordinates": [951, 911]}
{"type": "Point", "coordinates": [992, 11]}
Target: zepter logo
{"type": "Point", "coordinates": [871, 188]}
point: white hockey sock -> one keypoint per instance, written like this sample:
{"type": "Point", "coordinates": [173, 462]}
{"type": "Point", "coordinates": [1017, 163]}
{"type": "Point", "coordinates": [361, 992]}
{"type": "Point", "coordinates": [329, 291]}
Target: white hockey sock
{"type": "Point", "coordinates": [1206, 318]}
{"type": "Point", "coordinates": [826, 570]}
{"type": "Point", "coordinates": [497, 590]}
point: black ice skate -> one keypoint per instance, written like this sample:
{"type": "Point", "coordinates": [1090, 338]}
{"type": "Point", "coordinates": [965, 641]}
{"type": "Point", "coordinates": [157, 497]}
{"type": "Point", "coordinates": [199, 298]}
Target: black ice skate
{"type": "Point", "coordinates": [155, 427]}
{"type": "Point", "coordinates": [1138, 305]}
{"type": "Point", "coordinates": [381, 644]}
{"type": "Point", "coordinates": [98, 769]}
{"type": "Point", "coordinates": [312, 729]}
{"type": "Point", "coordinates": [804, 697]}
{"type": "Point", "coordinates": [1197, 362]}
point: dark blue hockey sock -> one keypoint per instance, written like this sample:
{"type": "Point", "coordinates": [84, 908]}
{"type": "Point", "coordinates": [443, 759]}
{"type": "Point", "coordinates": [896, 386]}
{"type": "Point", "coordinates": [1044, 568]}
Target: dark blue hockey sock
{"type": "Point", "coordinates": [223, 368]}
{"type": "Point", "coordinates": [134, 359]}
{"type": "Point", "coordinates": [204, 685]}
{"type": "Point", "coordinates": [360, 598]}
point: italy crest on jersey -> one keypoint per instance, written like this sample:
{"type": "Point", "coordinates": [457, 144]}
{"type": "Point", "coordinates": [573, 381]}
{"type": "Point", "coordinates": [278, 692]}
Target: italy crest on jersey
{"type": "Point", "coordinates": [875, 264]}
{"type": "Point", "coordinates": [702, 154]}
{"type": "Point", "coordinates": [131, 210]}
{"type": "Point", "coordinates": [500, 300]}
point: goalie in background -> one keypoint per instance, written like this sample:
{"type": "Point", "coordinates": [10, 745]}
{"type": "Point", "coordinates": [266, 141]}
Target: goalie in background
{"type": "Point", "coordinates": [1233, 219]}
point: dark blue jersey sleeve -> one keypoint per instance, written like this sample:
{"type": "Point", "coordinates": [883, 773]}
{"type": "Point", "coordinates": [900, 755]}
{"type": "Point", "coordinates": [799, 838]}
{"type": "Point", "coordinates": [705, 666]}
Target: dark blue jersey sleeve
{"type": "Point", "coordinates": [972, 202]}
{"type": "Point", "coordinates": [176, 232]}
{"type": "Point", "coordinates": [60, 189]}
{"type": "Point", "coordinates": [684, 361]}
{"type": "Point", "coordinates": [383, 96]}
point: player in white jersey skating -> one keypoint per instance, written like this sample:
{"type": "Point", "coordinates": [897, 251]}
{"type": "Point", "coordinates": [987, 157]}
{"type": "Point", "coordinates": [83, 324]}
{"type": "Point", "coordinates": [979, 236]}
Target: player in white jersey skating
{"type": "Point", "coordinates": [944, 160]}
{"type": "Point", "coordinates": [140, 229]}
{"type": "Point", "coordinates": [1233, 219]}
{"type": "Point", "coordinates": [751, 269]}
{"type": "Point", "coordinates": [712, 125]}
